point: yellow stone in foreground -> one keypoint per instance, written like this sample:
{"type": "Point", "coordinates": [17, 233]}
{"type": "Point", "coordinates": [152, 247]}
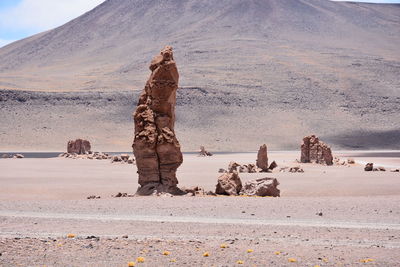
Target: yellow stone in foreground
{"type": "Point", "coordinates": [71, 235]}
{"type": "Point", "coordinates": [206, 254]}
{"type": "Point", "coordinates": [277, 252]}
{"type": "Point", "coordinates": [131, 264]}
{"type": "Point", "coordinates": [140, 259]}
{"type": "Point", "coordinates": [166, 253]}
{"type": "Point", "coordinates": [250, 251]}
{"type": "Point", "coordinates": [292, 260]}
{"type": "Point", "coordinates": [239, 262]}
{"type": "Point", "coordinates": [223, 246]}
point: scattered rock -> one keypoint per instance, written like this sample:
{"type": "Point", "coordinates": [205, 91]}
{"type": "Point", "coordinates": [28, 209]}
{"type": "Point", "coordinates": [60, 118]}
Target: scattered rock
{"type": "Point", "coordinates": [221, 170]}
{"type": "Point", "coordinates": [18, 156]}
{"type": "Point", "coordinates": [273, 165]}
{"type": "Point", "coordinates": [369, 167]}
{"type": "Point", "coordinates": [5, 156]}
{"type": "Point", "coordinates": [296, 169]}
{"type": "Point", "coordinates": [395, 170]}
{"type": "Point", "coordinates": [315, 151]}
{"type": "Point", "coordinates": [229, 184]}
{"type": "Point", "coordinates": [123, 195]}
{"type": "Point", "coordinates": [195, 191]}
{"type": "Point", "coordinates": [155, 146]}
{"type": "Point", "coordinates": [351, 161]}
{"type": "Point", "coordinates": [261, 187]}
{"type": "Point", "coordinates": [233, 167]}
{"type": "Point", "coordinates": [319, 213]}
{"type": "Point", "coordinates": [93, 197]}
{"type": "Point", "coordinates": [124, 157]}
{"type": "Point", "coordinates": [262, 158]}
{"type": "Point", "coordinates": [116, 159]}
{"type": "Point", "coordinates": [204, 153]}
{"type": "Point", "coordinates": [79, 146]}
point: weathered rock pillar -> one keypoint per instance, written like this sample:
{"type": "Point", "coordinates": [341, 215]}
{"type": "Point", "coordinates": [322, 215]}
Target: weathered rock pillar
{"type": "Point", "coordinates": [156, 149]}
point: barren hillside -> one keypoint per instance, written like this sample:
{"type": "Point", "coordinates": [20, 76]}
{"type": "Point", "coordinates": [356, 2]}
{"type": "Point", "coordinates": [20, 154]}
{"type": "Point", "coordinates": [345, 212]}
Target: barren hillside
{"type": "Point", "coordinates": [259, 71]}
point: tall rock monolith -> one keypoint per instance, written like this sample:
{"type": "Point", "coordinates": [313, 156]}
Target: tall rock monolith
{"type": "Point", "coordinates": [155, 146]}
{"type": "Point", "coordinates": [315, 151]}
{"type": "Point", "coordinates": [262, 158]}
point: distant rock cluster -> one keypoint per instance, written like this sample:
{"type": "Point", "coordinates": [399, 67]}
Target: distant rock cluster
{"type": "Point", "coordinates": [79, 146]}
{"type": "Point", "coordinates": [315, 151]}
{"type": "Point", "coordinates": [204, 153]}
{"type": "Point", "coordinates": [12, 156]}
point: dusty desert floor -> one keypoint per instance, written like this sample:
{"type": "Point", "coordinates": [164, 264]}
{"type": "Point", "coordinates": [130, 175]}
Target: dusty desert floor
{"type": "Point", "coordinates": [326, 216]}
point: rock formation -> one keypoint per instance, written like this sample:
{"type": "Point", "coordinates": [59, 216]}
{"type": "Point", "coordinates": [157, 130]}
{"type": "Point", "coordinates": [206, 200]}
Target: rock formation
{"type": "Point", "coordinates": [369, 167]}
{"type": "Point", "coordinates": [156, 149]}
{"type": "Point", "coordinates": [203, 152]}
{"type": "Point", "coordinates": [78, 146]}
{"type": "Point", "coordinates": [229, 184]}
{"type": "Point", "coordinates": [262, 158]}
{"type": "Point", "coordinates": [261, 187]}
{"type": "Point", "coordinates": [315, 151]}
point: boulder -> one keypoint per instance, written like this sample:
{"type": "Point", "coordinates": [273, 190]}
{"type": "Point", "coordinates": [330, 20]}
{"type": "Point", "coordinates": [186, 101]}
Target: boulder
{"type": "Point", "coordinates": [221, 170]}
{"type": "Point", "coordinates": [262, 158]}
{"type": "Point", "coordinates": [351, 161]}
{"type": "Point", "coordinates": [155, 146]}
{"type": "Point", "coordinates": [124, 157]}
{"type": "Point", "coordinates": [315, 151]}
{"type": "Point", "coordinates": [261, 187]}
{"type": "Point", "coordinates": [369, 167]}
{"type": "Point", "coordinates": [272, 166]}
{"type": "Point", "coordinates": [229, 184]}
{"type": "Point", "coordinates": [18, 156]}
{"type": "Point", "coordinates": [79, 146]}
{"type": "Point", "coordinates": [395, 170]}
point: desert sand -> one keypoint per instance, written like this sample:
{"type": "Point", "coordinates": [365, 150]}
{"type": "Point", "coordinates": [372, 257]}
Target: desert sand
{"type": "Point", "coordinates": [327, 216]}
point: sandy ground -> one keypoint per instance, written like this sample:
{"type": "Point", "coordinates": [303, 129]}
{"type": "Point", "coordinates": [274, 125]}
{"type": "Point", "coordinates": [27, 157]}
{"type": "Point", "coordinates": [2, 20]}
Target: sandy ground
{"type": "Point", "coordinates": [326, 216]}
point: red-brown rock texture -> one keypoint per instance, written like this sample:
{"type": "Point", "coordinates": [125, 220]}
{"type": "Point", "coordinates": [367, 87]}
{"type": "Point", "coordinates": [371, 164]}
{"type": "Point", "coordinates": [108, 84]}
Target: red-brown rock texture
{"type": "Point", "coordinates": [79, 146]}
{"type": "Point", "coordinates": [262, 158]}
{"type": "Point", "coordinates": [229, 184]}
{"type": "Point", "coordinates": [156, 149]}
{"type": "Point", "coordinates": [261, 187]}
{"type": "Point", "coordinates": [315, 151]}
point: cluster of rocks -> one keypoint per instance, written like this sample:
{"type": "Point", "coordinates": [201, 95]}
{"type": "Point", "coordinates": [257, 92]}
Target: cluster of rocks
{"type": "Point", "coordinates": [230, 184]}
{"type": "Point", "coordinates": [155, 146]}
{"type": "Point", "coordinates": [260, 166]}
{"type": "Point", "coordinates": [370, 167]}
{"type": "Point", "coordinates": [123, 158]}
{"type": "Point", "coordinates": [87, 155]}
{"type": "Point", "coordinates": [204, 153]}
{"type": "Point", "coordinates": [315, 151]}
{"type": "Point", "coordinates": [13, 156]}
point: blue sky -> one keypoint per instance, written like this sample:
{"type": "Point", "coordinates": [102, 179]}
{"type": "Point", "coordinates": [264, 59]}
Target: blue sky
{"type": "Point", "coordinates": [23, 18]}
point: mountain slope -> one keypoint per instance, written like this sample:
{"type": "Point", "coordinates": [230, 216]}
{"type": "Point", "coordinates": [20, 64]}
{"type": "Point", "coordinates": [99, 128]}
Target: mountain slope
{"type": "Point", "coordinates": [251, 71]}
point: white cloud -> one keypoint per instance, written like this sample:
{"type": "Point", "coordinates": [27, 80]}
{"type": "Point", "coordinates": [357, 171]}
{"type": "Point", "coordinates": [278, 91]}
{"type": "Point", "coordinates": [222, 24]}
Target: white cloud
{"type": "Point", "coordinates": [40, 15]}
{"type": "Point", "coordinates": [5, 42]}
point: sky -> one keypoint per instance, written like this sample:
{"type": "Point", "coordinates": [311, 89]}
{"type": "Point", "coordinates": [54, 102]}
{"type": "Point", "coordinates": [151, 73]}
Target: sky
{"type": "Point", "coordinates": [23, 18]}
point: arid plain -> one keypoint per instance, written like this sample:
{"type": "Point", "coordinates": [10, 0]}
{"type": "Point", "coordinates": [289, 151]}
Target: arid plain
{"type": "Point", "coordinates": [327, 216]}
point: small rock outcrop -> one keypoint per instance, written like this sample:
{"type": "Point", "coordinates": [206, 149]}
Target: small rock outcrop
{"type": "Point", "coordinates": [229, 184]}
{"type": "Point", "coordinates": [262, 158]}
{"type": "Point", "coordinates": [261, 187]}
{"type": "Point", "coordinates": [204, 153]}
{"type": "Point", "coordinates": [155, 146]}
{"type": "Point", "coordinates": [315, 151]}
{"type": "Point", "coordinates": [369, 167]}
{"type": "Point", "coordinates": [273, 165]}
{"type": "Point", "coordinates": [79, 146]}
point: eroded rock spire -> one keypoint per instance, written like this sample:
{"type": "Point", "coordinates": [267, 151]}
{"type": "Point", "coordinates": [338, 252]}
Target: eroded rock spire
{"type": "Point", "coordinates": [156, 149]}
